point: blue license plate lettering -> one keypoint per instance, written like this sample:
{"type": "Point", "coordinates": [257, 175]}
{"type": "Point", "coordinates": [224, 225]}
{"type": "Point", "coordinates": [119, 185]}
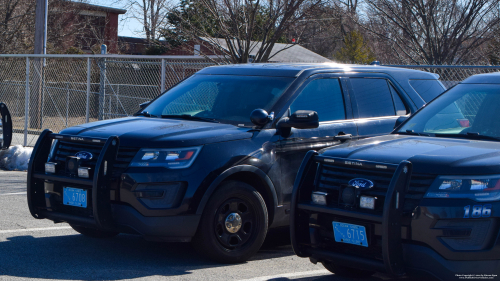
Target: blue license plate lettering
{"type": "Point", "coordinates": [350, 234]}
{"type": "Point", "coordinates": [75, 197]}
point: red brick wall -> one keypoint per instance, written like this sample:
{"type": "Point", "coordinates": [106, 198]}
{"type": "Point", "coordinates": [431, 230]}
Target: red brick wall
{"type": "Point", "coordinates": [111, 33]}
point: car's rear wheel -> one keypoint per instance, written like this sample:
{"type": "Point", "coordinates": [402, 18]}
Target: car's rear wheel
{"type": "Point", "coordinates": [93, 232]}
{"type": "Point", "coordinates": [347, 271]}
{"type": "Point", "coordinates": [233, 225]}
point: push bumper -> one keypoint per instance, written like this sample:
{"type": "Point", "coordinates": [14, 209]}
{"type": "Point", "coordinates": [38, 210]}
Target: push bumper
{"type": "Point", "coordinates": [392, 252]}
{"type": "Point", "coordinates": [39, 201]}
{"type": "Point", "coordinates": [102, 213]}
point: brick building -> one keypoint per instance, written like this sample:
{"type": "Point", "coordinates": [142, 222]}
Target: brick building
{"type": "Point", "coordinates": [87, 26]}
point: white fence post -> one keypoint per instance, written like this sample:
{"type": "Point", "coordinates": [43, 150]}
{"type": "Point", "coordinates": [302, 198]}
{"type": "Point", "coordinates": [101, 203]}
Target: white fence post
{"type": "Point", "coordinates": [27, 102]}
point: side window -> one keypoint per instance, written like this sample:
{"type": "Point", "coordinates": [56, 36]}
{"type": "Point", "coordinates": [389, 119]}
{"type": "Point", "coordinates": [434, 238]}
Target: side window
{"type": "Point", "coordinates": [373, 97]}
{"type": "Point", "coordinates": [398, 103]}
{"type": "Point", "coordinates": [427, 89]}
{"type": "Point", "coordinates": [323, 96]}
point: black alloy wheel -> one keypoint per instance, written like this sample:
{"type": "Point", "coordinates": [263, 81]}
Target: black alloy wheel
{"type": "Point", "coordinates": [234, 222]}
{"type": "Point", "coordinates": [233, 225]}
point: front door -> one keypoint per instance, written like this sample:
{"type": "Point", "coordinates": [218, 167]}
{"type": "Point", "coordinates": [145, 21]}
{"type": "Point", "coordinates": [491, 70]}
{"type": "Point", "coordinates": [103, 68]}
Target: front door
{"type": "Point", "coordinates": [325, 95]}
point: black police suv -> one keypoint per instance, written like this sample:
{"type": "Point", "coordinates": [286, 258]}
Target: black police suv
{"type": "Point", "coordinates": [213, 159]}
{"type": "Point", "coordinates": [5, 127]}
{"type": "Point", "coordinates": [423, 200]}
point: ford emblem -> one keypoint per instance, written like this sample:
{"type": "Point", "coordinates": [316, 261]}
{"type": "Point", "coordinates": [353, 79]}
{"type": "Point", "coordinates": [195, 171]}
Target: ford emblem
{"type": "Point", "coordinates": [361, 183]}
{"type": "Point", "coordinates": [84, 155]}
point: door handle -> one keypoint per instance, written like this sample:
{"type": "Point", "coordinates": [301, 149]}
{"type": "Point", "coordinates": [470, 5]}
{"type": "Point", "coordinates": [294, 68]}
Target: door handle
{"type": "Point", "coordinates": [342, 137]}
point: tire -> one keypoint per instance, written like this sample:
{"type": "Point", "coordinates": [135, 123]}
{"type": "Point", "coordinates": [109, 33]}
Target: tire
{"type": "Point", "coordinates": [347, 271]}
{"type": "Point", "coordinates": [93, 232]}
{"type": "Point", "coordinates": [224, 244]}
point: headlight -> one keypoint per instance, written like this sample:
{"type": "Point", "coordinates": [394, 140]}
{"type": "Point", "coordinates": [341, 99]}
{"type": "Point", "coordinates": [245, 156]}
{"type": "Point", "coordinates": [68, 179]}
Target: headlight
{"type": "Point", "coordinates": [172, 158]}
{"type": "Point", "coordinates": [478, 188]}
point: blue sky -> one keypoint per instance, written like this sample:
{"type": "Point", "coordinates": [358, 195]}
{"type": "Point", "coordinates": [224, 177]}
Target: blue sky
{"type": "Point", "coordinates": [127, 26]}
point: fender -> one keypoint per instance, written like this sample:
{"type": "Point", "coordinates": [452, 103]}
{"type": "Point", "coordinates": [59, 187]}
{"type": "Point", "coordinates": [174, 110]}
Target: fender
{"type": "Point", "coordinates": [6, 126]}
{"type": "Point", "coordinates": [235, 169]}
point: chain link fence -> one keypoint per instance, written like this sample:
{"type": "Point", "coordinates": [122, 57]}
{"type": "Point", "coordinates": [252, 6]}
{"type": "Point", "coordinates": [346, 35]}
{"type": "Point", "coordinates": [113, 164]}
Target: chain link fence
{"type": "Point", "coordinates": [451, 75]}
{"type": "Point", "coordinates": [60, 91]}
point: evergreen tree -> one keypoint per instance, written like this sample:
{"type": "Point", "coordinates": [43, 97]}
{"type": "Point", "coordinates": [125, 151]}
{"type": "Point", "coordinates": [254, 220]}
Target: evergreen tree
{"type": "Point", "coordinates": [355, 50]}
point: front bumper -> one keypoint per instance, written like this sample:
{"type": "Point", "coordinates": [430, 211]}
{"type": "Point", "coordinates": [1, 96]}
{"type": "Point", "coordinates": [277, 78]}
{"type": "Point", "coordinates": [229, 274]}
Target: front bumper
{"type": "Point", "coordinates": [99, 214]}
{"type": "Point", "coordinates": [104, 210]}
{"type": "Point", "coordinates": [391, 219]}
{"type": "Point", "coordinates": [418, 260]}
{"type": "Point", "coordinates": [165, 229]}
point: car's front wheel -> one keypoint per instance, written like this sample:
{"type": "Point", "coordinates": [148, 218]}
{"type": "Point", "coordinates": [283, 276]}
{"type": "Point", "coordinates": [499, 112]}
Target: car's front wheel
{"type": "Point", "coordinates": [233, 225]}
{"type": "Point", "coordinates": [93, 232]}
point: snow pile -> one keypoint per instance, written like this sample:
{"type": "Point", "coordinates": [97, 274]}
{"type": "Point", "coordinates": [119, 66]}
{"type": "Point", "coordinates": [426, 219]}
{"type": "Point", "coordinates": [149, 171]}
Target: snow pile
{"type": "Point", "coordinates": [16, 158]}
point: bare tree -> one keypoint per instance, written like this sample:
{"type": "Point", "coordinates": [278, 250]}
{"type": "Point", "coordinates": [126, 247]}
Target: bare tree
{"type": "Point", "coordinates": [17, 19]}
{"type": "Point", "coordinates": [239, 28]}
{"type": "Point", "coordinates": [151, 13]}
{"type": "Point", "coordinates": [432, 31]}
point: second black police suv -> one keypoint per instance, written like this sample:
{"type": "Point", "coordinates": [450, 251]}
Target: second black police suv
{"type": "Point", "coordinates": [213, 159]}
{"type": "Point", "coordinates": [424, 200]}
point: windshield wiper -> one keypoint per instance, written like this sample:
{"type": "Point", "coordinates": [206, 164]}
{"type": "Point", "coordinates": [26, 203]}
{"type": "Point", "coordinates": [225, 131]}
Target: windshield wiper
{"type": "Point", "coordinates": [411, 132]}
{"type": "Point", "coordinates": [145, 114]}
{"type": "Point", "coordinates": [190, 117]}
{"type": "Point", "coordinates": [469, 135]}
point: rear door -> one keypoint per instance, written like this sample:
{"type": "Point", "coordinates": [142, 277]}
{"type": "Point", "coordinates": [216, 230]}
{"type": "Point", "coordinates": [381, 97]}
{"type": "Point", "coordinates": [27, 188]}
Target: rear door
{"type": "Point", "coordinates": [377, 104]}
{"type": "Point", "coordinates": [327, 95]}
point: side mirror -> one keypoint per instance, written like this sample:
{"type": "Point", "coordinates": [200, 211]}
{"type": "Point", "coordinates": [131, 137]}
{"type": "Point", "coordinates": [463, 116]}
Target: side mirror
{"type": "Point", "coordinates": [300, 119]}
{"type": "Point", "coordinates": [5, 127]}
{"type": "Point", "coordinates": [260, 117]}
{"type": "Point", "coordinates": [144, 104]}
{"type": "Point", "coordinates": [400, 121]}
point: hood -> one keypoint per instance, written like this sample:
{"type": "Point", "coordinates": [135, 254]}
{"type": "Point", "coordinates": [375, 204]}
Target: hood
{"type": "Point", "coordinates": [154, 132]}
{"type": "Point", "coordinates": [429, 155]}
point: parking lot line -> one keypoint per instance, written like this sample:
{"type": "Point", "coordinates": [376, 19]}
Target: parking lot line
{"type": "Point", "coordinates": [34, 229]}
{"type": "Point", "coordinates": [288, 275]}
{"type": "Point", "coordinates": [14, 193]}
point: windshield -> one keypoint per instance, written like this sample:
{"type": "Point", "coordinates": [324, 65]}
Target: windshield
{"type": "Point", "coordinates": [466, 110]}
{"type": "Point", "coordinates": [223, 98]}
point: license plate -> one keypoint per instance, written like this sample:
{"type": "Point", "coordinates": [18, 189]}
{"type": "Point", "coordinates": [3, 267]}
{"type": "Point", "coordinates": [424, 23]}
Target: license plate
{"type": "Point", "coordinates": [75, 197]}
{"type": "Point", "coordinates": [350, 234]}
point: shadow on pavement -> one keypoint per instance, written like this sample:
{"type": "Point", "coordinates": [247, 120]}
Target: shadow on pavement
{"type": "Point", "coordinates": [76, 257]}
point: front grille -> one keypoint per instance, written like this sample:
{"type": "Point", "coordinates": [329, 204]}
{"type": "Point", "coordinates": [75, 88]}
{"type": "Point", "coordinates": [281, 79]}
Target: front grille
{"type": "Point", "coordinates": [330, 178]}
{"type": "Point", "coordinates": [64, 149]}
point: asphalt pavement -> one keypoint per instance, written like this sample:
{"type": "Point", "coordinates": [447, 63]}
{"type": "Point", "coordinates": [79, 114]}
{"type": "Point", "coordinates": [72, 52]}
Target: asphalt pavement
{"type": "Point", "coordinates": [39, 249]}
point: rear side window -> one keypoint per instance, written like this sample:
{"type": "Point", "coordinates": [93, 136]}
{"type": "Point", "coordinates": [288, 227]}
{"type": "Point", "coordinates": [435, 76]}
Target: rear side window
{"type": "Point", "coordinates": [398, 103]}
{"type": "Point", "coordinates": [373, 97]}
{"type": "Point", "coordinates": [427, 89]}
